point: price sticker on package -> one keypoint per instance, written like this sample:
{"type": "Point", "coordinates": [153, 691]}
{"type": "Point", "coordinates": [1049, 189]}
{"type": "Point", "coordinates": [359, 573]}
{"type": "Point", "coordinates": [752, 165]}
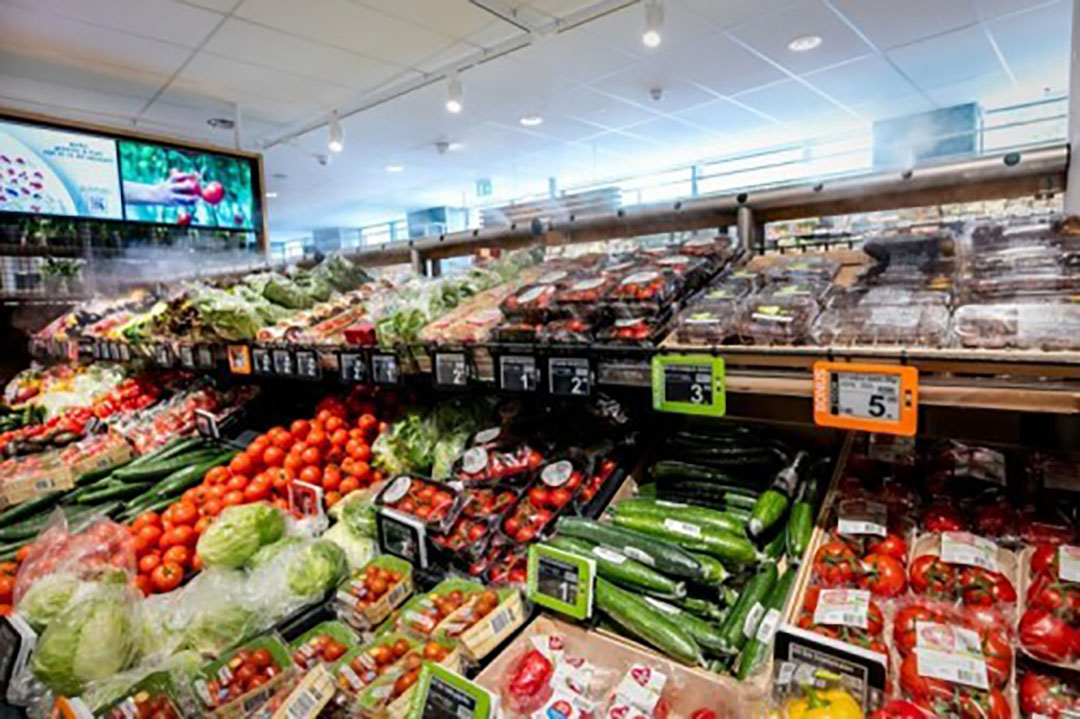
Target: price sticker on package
{"type": "Point", "coordinates": [862, 516]}
{"type": "Point", "coordinates": [868, 397]}
{"type": "Point", "coordinates": [1069, 563]}
{"type": "Point", "coordinates": [443, 694]}
{"type": "Point", "coordinates": [561, 580]}
{"type": "Point", "coordinates": [969, 549]}
{"type": "Point", "coordinates": [843, 607]}
{"type": "Point", "coordinates": [689, 384]}
{"type": "Point", "coordinates": [951, 653]}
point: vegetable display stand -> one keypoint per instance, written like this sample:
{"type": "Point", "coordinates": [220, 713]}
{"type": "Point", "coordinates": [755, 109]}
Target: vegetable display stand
{"type": "Point", "coordinates": [687, 689]}
{"type": "Point", "coordinates": [367, 598]}
{"type": "Point", "coordinates": [226, 687]}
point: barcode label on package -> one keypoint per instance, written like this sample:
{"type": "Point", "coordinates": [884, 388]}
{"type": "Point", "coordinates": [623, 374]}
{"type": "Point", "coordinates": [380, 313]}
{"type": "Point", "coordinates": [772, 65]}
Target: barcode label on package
{"type": "Point", "coordinates": [844, 607]}
{"type": "Point", "coordinates": [857, 516]}
{"type": "Point", "coordinates": [752, 620]}
{"type": "Point", "coordinates": [1069, 563]}
{"type": "Point", "coordinates": [767, 629]}
{"type": "Point", "coordinates": [685, 528]}
{"type": "Point", "coordinates": [966, 548]}
{"type": "Point", "coordinates": [951, 653]}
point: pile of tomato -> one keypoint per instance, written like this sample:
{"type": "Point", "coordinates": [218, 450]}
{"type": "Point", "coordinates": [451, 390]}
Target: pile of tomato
{"type": "Point", "coordinates": [1050, 625]}
{"type": "Point", "coordinates": [246, 670]}
{"type": "Point", "coordinates": [7, 586]}
{"type": "Point", "coordinates": [332, 451]}
{"type": "Point", "coordinates": [134, 393]}
{"type": "Point", "coordinates": [1044, 693]}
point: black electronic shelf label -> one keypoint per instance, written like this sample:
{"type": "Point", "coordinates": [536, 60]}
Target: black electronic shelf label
{"type": "Point", "coordinates": [385, 369]}
{"type": "Point", "coordinates": [402, 536]}
{"type": "Point", "coordinates": [187, 356]}
{"type": "Point", "coordinates": [204, 357]}
{"type": "Point", "coordinates": [123, 351]}
{"type": "Point", "coordinates": [163, 355]}
{"type": "Point", "coordinates": [451, 369]}
{"type": "Point", "coordinates": [307, 364]}
{"type": "Point", "coordinates": [518, 373]}
{"type": "Point", "coordinates": [284, 362]}
{"type": "Point", "coordinates": [261, 361]}
{"type": "Point", "coordinates": [353, 367]}
{"type": "Point", "coordinates": [569, 376]}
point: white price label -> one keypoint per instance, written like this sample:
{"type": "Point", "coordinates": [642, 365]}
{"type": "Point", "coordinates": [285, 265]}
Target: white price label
{"type": "Point", "coordinates": [858, 516]}
{"type": "Point", "coordinates": [869, 396]}
{"type": "Point", "coordinates": [767, 629]}
{"type": "Point", "coordinates": [844, 607]}
{"type": "Point", "coordinates": [1069, 563]}
{"type": "Point", "coordinates": [967, 548]}
{"type": "Point", "coordinates": [685, 528]}
{"type": "Point", "coordinates": [753, 619]}
{"type": "Point", "coordinates": [609, 555]}
{"type": "Point", "coordinates": [635, 553]}
{"type": "Point", "coordinates": [950, 653]}
{"type": "Point", "coordinates": [557, 474]}
{"type": "Point", "coordinates": [474, 460]}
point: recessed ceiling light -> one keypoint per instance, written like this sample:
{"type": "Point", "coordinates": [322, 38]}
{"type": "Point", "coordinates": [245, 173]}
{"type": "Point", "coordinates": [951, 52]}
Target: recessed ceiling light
{"type": "Point", "coordinates": [395, 168]}
{"type": "Point", "coordinates": [221, 123]}
{"type": "Point", "coordinates": [531, 120]}
{"type": "Point", "coordinates": [804, 43]}
{"type": "Point", "coordinates": [271, 195]}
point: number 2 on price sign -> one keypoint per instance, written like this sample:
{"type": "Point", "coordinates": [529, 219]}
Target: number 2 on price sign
{"type": "Point", "coordinates": [868, 397]}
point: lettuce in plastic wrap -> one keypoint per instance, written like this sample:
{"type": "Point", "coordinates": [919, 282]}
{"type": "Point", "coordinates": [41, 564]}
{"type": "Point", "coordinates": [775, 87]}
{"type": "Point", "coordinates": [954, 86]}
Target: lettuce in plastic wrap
{"type": "Point", "coordinates": [283, 291]}
{"type": "Point", "coordinates": [228, 316]}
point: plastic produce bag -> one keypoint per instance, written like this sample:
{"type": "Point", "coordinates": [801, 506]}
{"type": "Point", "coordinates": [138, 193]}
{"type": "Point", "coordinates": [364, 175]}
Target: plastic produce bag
{"type": "Point", "coordinates": [62, 566]}
{"type": "Point", "coordinates": [292, 573]}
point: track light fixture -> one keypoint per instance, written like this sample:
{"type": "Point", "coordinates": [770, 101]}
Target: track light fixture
{"type": "Point", "coordinates": [337, 135]}
{"type": "Point", "coordinates": [654, 22]}
{"type": "Point", "coordinates": [455, 92]}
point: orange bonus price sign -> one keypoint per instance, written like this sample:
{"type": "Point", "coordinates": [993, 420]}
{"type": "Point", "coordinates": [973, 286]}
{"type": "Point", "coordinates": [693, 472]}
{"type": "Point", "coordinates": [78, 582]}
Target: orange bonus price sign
{"type": "Point", "coordinates": [867, 397]}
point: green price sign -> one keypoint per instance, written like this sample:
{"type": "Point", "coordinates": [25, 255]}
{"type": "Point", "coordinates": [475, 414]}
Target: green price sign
{"type": "Point", "coordinates": [689, 384]}
{"type": "Point", "coordinates": [442, 694]}
{"type": "Point", "coordinates": [561, 580]}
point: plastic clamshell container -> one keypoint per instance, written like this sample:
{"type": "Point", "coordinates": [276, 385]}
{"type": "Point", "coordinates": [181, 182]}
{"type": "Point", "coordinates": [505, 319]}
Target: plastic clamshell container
{"type": "Point", "coordinates": [531, 303]}
{"type": "Point", "coordinates": [404, 491]}
{"type": "Point", "coordinates": [922, 325]}
{"type": "Point", "coordinates": [775, 318]}
{"type": "Point", "coordinates": [644, 292]}
{"type": "Point", "coordinates": [583, 297]}
{"type": "Point", "coordinates": [888, 295]}
{"type": "Point", "coordinates": [719, 246]}
{"type": "Point", "coordinates": [709, 323]}
{"type": "Point", "coordinates": [350, 596]}
{"type": "Point", "coordinates": [633, 331]}
{"type": "Point", "coordinates": [574, 329]}
{"type": "Point", "coordinates": [1023, 325]}
{"type": "Point", "coordinates": [1049, 281]}
{"type": "Point", "coordinates": [802, 267]}
{"type": "Point", "coordinates": [518, 331]}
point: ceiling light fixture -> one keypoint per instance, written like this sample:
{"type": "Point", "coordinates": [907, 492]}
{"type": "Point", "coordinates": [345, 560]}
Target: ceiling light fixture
{"type": "Point", "coordinates": [337, 135]}
{"type": "Point", "coordinates": [395, 168]}
{"type": "Point", "coordinates": [455, 92]}
{"type": "Point", "coordinates": [654, 22]}
{"type": "Point", "coordinates": [531, 120]}
{"type": "Point", "coordinates": [271, 195]}
{"type": "Point", "coordinates": [805, 43]}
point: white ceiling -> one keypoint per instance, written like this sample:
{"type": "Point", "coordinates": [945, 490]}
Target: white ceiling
{"type": "Point", "coordinates": [728, 79]}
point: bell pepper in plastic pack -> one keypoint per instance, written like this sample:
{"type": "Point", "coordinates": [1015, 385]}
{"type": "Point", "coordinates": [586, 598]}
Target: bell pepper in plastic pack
{"type": "Point", "coordinates": [529, 683]}
{"type": "Point", "coordinates": [1046, 694]}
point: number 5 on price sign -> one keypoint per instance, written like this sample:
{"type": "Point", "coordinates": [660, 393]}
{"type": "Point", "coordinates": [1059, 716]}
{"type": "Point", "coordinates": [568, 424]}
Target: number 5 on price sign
{"type": "Point", "coordinates": [868, 397]}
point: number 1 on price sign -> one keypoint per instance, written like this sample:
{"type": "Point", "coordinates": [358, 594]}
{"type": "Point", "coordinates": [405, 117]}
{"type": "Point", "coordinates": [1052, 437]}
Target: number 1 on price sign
{"type": "Point", "coordinates": [868, 397]}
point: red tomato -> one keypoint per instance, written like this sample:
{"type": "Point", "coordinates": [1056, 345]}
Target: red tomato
{"type": "Point", "coordinates": [217, 475]}
{"type": "Point", "coordinates": [318, 439]}
{"type": "Point", "coordinates": [202, 524]}
{"type": "Point", "coordinates": [149, 562]}
{"type": "Point", "coordinates": [311, 475]}
{"type": "Point", "coordinates": [151, 533]}
{"type": "Point", "coordinates": [273, 456]}
{"type": "Point", "coordinates": [142, 583]}
{"type": "Point", "coordinates": [332, 498]}
{"type": "Point", "coordinates": [933, 577]}
{"type": "Point", "coordinates": [240, 464]}
{"type": "Point", "coordinates": [293, 462]}
{"type": "Point", "coordinates": [311, 456]}
{"type": "Point", "coordinates": [331, 480]}
{"type": "Point", "coordinates": [883, 576]}
{"type": "Point", "coordinates": [257, 491]}
{"type": "Point", "coordinates": [1046, 635]}
{"type": "Point", "coordinates": [185, 535]}
{"type": "Point", "coordinates": [300, 428]}
{"type": "Point", "coordinates": [217, 492]}
{"type": "Point", "coordinates": [179, 555]}
{"type": "Point", "coordinates": [146, 518]}
{"type": "Point", "coordinates": [361, 471]}
{"type": "Point", "coordinates": [339, 437]}
{"type": "Point", "coordinates": [232, 499]}
{"type": "Point", "coordinates": [284, 440]}
{"type": "Point", "coordinates": [185, 513]}
{"type": "Point", "coordinates": [166, 577]}
{"type": "Point", "coordinates": [196, 495]}
{"type": "Point", "coordinates": [334, 423]}
{"type": "Point", "coordinates": [237, 484]}
{"type": "Point", "coordinates": [212, 508]}
{"type": "Point", "coordinates": [349, 484]}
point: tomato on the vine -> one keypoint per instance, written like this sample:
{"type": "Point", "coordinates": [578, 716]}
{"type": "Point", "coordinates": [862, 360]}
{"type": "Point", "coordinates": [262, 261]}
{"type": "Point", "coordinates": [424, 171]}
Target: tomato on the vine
{"type": "Point", "coordinates": [835, 564]}
{"type": "Point", "coordinates": [932, 576]}
{"type": "Point", "coordinates": [883, 575]}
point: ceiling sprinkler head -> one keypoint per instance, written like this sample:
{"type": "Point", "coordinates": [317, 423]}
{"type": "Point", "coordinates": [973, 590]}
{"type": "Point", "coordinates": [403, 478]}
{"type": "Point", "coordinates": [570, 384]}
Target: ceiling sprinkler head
{"type": "Point", "coordinates": [442, 147]}
{"type": "Point", "coordinates": [657, 94]}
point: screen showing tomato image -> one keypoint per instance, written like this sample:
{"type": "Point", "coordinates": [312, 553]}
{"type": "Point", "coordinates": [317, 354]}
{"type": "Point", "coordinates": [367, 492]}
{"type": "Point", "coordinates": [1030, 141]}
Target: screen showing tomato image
{"type": "Point", "coordinates": [51, 171]}
{"type": "Point", "coordinates": [172, 186]}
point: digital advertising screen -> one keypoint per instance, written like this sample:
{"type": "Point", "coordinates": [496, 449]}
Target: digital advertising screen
{"type": "Point", "coordinates": [175, 186]}
{"type": "Point", "coordinates": [52, 171]}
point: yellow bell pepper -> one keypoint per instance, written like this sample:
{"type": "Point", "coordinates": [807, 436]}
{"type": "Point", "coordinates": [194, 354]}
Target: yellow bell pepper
{"type": "Point", "coordinates": [828, 704]}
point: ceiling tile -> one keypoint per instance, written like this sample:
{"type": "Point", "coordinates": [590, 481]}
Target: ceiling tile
{"type": "Point", "coordinates": [1033, 40]}
{"type": "Point", "coordinates": [720, 64]}
{"type": "Point", "coordinates": [724, 117]}
{"type": "Point", "coordinates": [159, 19]}
{"type": "Point", "coordinates": [622, 144]}
{"type": "Point", "coordinates": [995, 8]}
{"type": "Point", "coordinates": [895, 106]}
{"type": "Point", "coordinates": [72, 42]}
{"type": "Point", "coordinates": [344, 24]}
{"type": "Point", "coordinates": [221, 6]}
{"type": "Point", "coordinates": [865, 79]}
{"type": "Point", "coordinates": [561, 127]}
{"type": "Point", "coordinates": [575, 55]}
{"type": "Point", "coordinates": [270, 48]}
{"type": "Point", "coordinates": [455, 18]}
{"type": "Point", "coordinates": [585, 104]}
{"type": "Point", "coordinates": [733, 12]}
{"type": "Point", "coordinates": [945, 59]}
{"type": "Point", "coordinates": [56, 96]}
{"type": "Point", "coordinates": [636, 84]}
{"type": "Point", "coordinates": [792, 102]}
{"type": "Point", "coordinates": [888, 23]}
{"type": "Point", "coordinates": [986, 88]}
{"type": "Point", "coordinates": [770, 36]}
{"type": "Point", "coordinates": [672, 134]}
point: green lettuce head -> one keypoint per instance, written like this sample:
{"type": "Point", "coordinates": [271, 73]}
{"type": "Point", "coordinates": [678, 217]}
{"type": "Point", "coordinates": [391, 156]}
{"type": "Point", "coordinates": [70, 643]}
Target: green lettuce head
{"type": "Point", "coordinates": [93, 640]}
{"type": "Point", "coordinates": [315, 569]}
{"type": "Point", "coordinates": [47, 598]}
{"type": "Point", "coordinates": [238, 533]}
{"type": "Point", "coordinates": [269, 552]}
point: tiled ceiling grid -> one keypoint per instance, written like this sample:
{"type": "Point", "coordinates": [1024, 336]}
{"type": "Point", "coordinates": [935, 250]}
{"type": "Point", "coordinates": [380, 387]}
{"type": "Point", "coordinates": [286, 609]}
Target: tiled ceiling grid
{"type": "Point", "coordinates": [724, 68]}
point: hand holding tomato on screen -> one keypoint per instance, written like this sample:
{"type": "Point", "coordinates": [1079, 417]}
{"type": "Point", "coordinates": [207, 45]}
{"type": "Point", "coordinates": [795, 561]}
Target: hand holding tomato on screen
{"type": "Point", "coordinates": [179, 189]}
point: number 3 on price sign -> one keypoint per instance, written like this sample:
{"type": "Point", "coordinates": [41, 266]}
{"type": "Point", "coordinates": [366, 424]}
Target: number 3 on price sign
{"type": "Point", "coordinates": [689, 384]}
{"type": "Point", "coordinates": [868, 397]}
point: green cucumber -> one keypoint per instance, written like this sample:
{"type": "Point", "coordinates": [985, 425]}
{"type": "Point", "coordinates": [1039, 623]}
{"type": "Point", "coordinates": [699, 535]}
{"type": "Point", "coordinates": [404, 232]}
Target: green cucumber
{"type": "Point", "coordinates": [704, 634]}
{"type": "Point", "coordinates": [759, 648]}
{"type": "Point", "coordinates": [774, 501]}
{"type": "Point", "coordinates": [749, 609]}
{"type": "Point", "coordinates": [97, 475]}
{"type": "Point", "coordinates": [155, 506]}
{"type": "Point", "coordinates": [679, 510]}
{"type": "Point", "coordinates": [642, 620]}
{"type": "Point", "coordinates": [728, 547]}
{"type": "Point", "coordinates": [186, 478]}
{"type": "Point", "coordinates": [174, 448]}
{"type": "Point", "coordinates": [647, 491]}
{"type": "Point", "coordinates": [157, 470]}
{"type": "Point", "coordinates": [799, 529]}
{"type": "Point", "coordinates": [618, 568]}
{"type": "Point", "coordinates": [29, 508]}
{"type": "Point", "coordinates": [715, 571]}
{"type": "Point", "coordinates": [675, 472]}
{"type": "Point", "coordinates": [774, 548]}
{"type": "Point", "coordinates": [661, 556]}
{"type": "Point", "coordinates": [701, 608]}
{"type": "Point", "coordinates": [120, 490]}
